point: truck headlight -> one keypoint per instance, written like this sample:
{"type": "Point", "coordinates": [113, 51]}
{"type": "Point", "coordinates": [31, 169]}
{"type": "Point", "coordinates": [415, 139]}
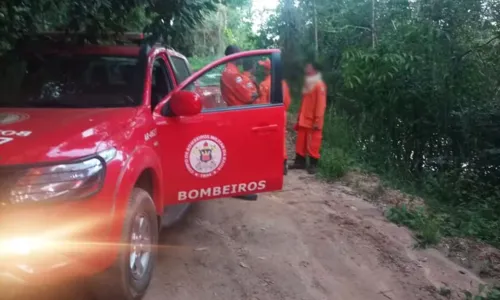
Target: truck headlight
{"type": "Point", "coordinates": [62, 181]}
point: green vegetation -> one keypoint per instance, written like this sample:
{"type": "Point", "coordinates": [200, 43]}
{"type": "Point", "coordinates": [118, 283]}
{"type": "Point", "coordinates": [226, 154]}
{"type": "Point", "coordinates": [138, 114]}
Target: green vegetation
{"type": "Point", "coordinates": [337, 156]}
{"type": "Point", "coordinates": [197, 27]}
{"type": "Point", "coordinates": [484, 293]}
{"type": "Point", "coordinates": [413, 97]}
{"type": "Point", "coordinates": [167, 19]}
{"type": "Point", "coordinates": [426, 226]}
{"type": "Point", "coordinates": [198, 62]}
{"type": "Point", "coordinates": [229, 23]}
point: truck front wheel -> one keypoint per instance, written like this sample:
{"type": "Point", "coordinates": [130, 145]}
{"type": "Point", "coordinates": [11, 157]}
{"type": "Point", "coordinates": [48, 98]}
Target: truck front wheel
{"type": "Point", "coordinates": [129, 277]}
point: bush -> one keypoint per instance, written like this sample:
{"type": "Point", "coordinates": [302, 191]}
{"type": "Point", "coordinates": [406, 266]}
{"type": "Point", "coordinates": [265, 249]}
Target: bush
{"type": "Point", "coordinates": [484, 293]}
{"type": "Point", "coordinates": [338, 146]}
{"type": "Point", "coordinates": [427, 227]}
{"type": "Point", "coordinates": [334, 163]}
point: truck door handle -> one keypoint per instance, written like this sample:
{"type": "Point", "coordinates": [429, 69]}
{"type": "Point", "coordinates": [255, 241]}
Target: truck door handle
{"type": "Point", "coordinates": [271, 127]}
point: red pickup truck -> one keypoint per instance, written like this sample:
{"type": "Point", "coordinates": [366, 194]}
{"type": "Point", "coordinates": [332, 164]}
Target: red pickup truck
{"type": "Point", "coordinates": [102, 146]}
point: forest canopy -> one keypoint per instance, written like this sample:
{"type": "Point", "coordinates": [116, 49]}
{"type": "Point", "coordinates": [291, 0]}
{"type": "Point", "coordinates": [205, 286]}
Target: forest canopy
{"type": "Point", "coordinates": [169, 19]}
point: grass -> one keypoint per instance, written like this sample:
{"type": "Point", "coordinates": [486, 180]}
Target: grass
{"type": "Point", "coordinates": [484, 293]}
{"type": "Point", "coordinates": [337, 156]}
{"type": "Point", "coordinates": [334, 163]}
{"type": "Point", "coordinates": [426, 226]}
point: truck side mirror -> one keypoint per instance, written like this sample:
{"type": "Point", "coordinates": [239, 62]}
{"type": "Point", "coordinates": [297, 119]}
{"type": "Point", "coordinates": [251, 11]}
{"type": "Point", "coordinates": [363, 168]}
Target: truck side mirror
{"type": "Point", "coordinates": [185, 103]}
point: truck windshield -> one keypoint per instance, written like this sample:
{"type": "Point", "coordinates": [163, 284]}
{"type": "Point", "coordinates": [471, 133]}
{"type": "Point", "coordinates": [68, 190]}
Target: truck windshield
{"type": "Point", "coordinates": [75, 81]}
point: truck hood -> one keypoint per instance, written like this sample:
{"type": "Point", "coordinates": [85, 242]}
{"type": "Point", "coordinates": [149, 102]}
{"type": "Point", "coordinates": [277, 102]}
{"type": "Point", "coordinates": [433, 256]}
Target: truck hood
{"type": "Point", "coordinates": [47, 135]}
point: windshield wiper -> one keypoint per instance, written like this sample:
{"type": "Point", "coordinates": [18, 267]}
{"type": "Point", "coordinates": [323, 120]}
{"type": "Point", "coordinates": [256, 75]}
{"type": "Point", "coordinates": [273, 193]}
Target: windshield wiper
{"type": "Point", "coordinates": [129, 100]}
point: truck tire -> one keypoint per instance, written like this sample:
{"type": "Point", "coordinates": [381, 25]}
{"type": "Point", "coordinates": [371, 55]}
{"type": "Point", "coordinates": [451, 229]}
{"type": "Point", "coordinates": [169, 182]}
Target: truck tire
{"type": "Point", "coordinates": [130, 275]}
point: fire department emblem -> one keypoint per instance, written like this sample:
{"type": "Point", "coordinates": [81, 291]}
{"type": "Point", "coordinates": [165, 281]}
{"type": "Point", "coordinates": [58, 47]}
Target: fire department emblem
{"type": "Point", "coordinates": [205, 156]}
{"type": "Point", "coordinates": [9, 118]}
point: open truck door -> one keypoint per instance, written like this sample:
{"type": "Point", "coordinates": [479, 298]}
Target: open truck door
{"type": "Point", "coordinates": [229, 150]}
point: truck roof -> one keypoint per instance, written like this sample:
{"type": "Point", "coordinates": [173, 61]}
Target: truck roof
{"type": "Point", "coordinates": [114, 50]}
{"type": "Point", "coordinates": [132, 49]}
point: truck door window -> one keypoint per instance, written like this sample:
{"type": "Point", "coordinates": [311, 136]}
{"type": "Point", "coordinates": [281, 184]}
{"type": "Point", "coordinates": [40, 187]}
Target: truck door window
{"type": "Point", "coordinates": [240, 83]}
{"type": "Point", "coordinates": [160, 84]}
{"type": "Point", "coordinates": [181, 70]}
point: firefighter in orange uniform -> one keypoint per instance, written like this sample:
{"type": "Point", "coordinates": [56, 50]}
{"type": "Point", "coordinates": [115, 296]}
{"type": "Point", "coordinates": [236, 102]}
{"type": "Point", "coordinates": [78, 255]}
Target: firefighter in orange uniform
{"type": "Point", "coordinates": [265, 85]}
{"type": "Point", "coordinates": [310, 120]}
{"type": "Point", "coordinates": [236, 87]}
{"type": "Point", "coordinates": [265, 97]}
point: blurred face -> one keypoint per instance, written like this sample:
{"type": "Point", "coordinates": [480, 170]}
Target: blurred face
{"type": "Point", "coordinates": [309, 70]}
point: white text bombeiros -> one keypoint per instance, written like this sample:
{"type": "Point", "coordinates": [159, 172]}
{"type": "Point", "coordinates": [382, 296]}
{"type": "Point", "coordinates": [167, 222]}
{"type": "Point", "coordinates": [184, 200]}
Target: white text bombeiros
{"type": "Point", "coordinates": [221, 191]}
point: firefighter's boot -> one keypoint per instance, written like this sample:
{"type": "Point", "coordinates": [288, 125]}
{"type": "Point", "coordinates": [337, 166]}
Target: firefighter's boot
{"type": "Point", "coordinates": [313, 165]}
{"type": "Point", "coordinates": [299, 163]}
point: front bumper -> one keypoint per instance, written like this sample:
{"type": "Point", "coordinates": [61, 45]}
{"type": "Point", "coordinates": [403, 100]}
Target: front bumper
{"type": "Point", "coordinates": [54, 243]}
{"type": "Point", "coordinates": [46, 242]}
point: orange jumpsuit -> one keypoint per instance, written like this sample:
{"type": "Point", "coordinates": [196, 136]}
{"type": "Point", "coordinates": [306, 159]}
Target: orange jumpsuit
{"type": "Point", "coordinates": [237, 88]}
{"type": "Point", "coordinates": [265, 97]}
{"type": "Point", "coordinates": [310, 121]}
{"type": "Point", "coordinates": [264, 91]}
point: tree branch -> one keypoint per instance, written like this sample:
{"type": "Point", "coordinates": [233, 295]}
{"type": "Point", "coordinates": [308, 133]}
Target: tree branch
{"type": "Point", "coordinates": [477, 47]}
{"type": "Point", "coordinates": [346, 27]}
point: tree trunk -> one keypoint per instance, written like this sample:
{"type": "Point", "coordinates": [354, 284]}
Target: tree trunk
{"type": "Point", "coordinates": [222, 27]}
{"type": "Point", "coordinates": [374, 34]}
{"type": "Point", "coordinates": [316, 48]}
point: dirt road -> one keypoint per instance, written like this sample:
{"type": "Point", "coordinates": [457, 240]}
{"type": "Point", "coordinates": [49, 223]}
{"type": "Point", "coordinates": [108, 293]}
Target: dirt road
{"type": "Point", "coordinates": [310, 241]}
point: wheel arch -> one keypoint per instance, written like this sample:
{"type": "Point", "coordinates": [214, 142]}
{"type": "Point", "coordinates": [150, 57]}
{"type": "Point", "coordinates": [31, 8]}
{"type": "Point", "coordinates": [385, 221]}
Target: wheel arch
{"type": "Point", "coordinates": [143, 168]}
{"type": "Point", "coordinates": [149, 181]}
{"type": "Point", "coordinates": [141, 165]}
